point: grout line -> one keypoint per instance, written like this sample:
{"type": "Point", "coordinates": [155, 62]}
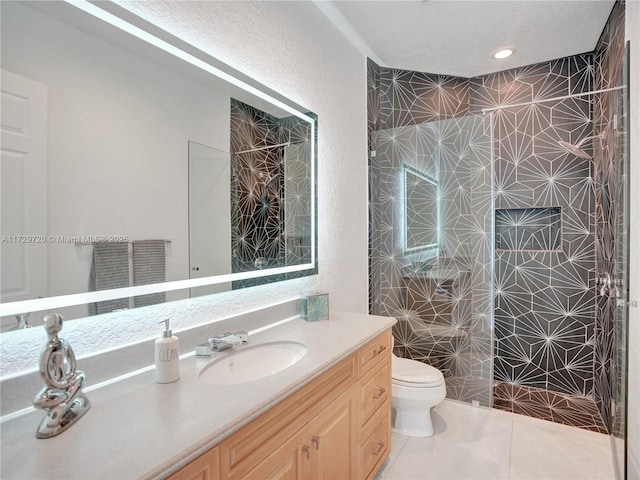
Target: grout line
{"type": "Point", "coordinates": [390, 465]}
{"type": "Point", "coordinates": [510, 449]}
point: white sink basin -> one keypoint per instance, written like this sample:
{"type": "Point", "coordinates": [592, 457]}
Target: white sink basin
{"type": "Point", "coordinates": [253, 362]}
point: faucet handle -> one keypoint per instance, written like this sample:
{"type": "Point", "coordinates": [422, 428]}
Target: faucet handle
{"type": "Point", "coordinates": [232, 339]}
{"type": "Point", "coordinates": [224, 341]}
{"type": "Point", "coordinates": [242, 335]}
{"type": "Point", "coordinates": [218, 343]}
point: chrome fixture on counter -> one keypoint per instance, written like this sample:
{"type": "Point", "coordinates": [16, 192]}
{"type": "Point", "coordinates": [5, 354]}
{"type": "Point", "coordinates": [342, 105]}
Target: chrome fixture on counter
{"type": "Point", "coordinates": [23, 321]}
{"type": "Point", "coordinates": [222, 342]}
{"type": "Point", "coordinates": [62, 396]}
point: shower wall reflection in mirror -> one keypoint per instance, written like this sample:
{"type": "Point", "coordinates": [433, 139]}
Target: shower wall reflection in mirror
{"type": "Point", "coordinates": [250, 209]}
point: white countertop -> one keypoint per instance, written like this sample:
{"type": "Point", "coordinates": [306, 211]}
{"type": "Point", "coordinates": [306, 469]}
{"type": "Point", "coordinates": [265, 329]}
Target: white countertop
{"type": "Point", "coordinates": [137, 428]}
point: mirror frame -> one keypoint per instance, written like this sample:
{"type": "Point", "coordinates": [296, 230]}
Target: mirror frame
{"type": "Point", "coordinates": [124, 21]}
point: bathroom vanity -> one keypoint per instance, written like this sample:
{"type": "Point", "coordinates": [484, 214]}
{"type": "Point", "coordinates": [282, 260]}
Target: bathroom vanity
{"type": "Point", "coordinates": [326, 416]}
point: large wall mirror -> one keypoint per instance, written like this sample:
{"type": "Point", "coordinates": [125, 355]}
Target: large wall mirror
{"type": "Point", "coordinates": [136, 169]}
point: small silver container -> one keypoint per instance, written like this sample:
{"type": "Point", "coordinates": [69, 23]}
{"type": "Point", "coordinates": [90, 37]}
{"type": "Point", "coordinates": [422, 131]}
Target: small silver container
{"type": "Point", "coordinates": [314, 306]}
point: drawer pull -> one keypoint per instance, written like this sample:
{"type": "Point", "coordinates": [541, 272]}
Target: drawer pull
{"type": "Point", "coordinates": [379, 350]}
{"type": "Point", "coordinates": [379, 449]}
{"type": "Point", "coordinates": [379, 394]}
{"type": "Point", "coordinates": [307, 449]}
{"type": "Point", "coordinates": [316, 439]}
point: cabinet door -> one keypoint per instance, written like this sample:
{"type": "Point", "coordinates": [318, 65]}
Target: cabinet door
{"type": "Point", "coordinates": [205, 467]}
{"type": "Point", "coordinates": [290, 461]}
{"type": "Point", "coordinates": [242, 451]}
{"type": "Point", "coordinates": [333, 437]}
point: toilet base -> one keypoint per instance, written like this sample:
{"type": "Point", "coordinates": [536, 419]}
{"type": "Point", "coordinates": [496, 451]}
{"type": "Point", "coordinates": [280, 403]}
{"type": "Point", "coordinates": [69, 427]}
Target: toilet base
{"type": "Point", "coordinates": [413, 422]}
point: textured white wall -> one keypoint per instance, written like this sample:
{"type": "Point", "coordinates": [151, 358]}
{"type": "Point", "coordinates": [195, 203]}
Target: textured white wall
{"type": "Point", "coordinates": [633, 437]}
{"type": "Point", "coordinates": [292, 48]}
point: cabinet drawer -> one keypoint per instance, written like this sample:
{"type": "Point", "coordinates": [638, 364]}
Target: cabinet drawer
{"type": "Point", "coordinates": [373, 352]}
{"type": "Point", "coordinates": [376, 446]}
{"type": "Point", "coordinates": [375, 392]}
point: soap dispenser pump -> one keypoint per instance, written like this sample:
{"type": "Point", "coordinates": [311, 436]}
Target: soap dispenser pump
{"type": "Point", "coordinates": [166, 356]}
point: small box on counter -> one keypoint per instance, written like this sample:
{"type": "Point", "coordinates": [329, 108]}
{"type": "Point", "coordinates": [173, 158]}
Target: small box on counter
{"type": "Point", "coordinates": [314, 306]}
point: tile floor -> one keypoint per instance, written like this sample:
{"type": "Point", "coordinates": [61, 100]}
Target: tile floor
{"type": "Point", "coordinates": [479, 443]}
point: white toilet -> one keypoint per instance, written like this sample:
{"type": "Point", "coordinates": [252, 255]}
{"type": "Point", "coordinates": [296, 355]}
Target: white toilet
{"type": "Point", "coordinates": [415, 389]}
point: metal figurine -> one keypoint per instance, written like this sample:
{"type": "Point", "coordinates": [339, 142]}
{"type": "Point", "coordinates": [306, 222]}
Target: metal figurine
{"type": "Point", "coordinates": [62, 396]}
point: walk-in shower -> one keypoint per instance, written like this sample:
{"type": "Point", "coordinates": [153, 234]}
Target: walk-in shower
{"type": "Point", "coordinates": [520, 178]}
{"type": "Point", "coordinates": [529, 170]}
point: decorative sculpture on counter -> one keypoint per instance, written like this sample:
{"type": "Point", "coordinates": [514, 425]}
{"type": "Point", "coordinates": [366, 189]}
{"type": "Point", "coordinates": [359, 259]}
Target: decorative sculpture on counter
{"type": "Point", "coordinates": [62, 395]}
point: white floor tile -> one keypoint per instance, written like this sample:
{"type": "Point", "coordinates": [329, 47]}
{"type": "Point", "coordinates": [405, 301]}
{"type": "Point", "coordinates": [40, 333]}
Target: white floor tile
{"type": "Point", "coordinates": [469, 443]}
{"type": "Point", "coordinates": [550, 451]}
{"type": "Point", "coordinates": [478, 443]}
{"type": "Point", "coordinates": [397, 443]}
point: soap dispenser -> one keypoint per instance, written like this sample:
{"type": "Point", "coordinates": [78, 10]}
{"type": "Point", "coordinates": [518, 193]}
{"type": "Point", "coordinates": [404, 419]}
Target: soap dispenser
{"type": "Point", "coordinates": [167, 357]}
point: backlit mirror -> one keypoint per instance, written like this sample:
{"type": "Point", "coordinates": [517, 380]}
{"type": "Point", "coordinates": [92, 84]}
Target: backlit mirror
{"type": "Point", "coordinates": [421, 211]}
{"type": "Point", "coordinates": [136, 169]}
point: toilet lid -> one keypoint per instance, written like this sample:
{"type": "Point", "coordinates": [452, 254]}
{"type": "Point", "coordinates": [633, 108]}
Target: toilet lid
{"type": "Point", "coordinates": [412, 371]}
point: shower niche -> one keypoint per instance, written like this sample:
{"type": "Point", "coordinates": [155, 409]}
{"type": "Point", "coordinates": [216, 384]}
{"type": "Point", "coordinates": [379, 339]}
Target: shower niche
{"type": "Point", "coordinates": [528, 229]}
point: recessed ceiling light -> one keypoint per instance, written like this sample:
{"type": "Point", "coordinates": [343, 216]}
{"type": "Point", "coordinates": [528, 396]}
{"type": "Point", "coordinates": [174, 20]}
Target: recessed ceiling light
{"type": "Point", "coordinates": [503, 52]}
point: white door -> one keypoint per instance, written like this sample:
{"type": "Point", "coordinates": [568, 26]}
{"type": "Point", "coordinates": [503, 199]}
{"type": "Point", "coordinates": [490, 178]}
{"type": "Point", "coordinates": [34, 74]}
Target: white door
{"type": "Point", "coordinates": [23, 184]}
{"type": "Point", "coordinates": [209, 216]}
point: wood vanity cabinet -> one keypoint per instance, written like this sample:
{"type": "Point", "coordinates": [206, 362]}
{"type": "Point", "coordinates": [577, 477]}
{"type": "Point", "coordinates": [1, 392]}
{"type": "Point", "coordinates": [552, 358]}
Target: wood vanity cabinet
{"type": "Point", "coordinates": [374, 409]}
{"type": "Point", "coordinates": [338, 427]}
{"type": "Point", "coordinates": [326, 448]}
{"type": "Point", "coordinates": [205, 467]}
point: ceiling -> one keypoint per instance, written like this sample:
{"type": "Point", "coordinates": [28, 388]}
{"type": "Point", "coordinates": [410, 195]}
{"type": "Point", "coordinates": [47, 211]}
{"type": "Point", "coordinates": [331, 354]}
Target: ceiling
{"type": "Point", "coordinates": [457, 37]}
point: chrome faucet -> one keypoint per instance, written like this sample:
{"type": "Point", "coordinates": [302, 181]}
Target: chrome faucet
{"type": "Point", "coordinates": [260, 262]}
{"type": "Point", "coordinates": [222, 342]}
{"type": "Point", "coordinates": [23, 321]}
{"type": "Point", "coordinates": [227, 340]}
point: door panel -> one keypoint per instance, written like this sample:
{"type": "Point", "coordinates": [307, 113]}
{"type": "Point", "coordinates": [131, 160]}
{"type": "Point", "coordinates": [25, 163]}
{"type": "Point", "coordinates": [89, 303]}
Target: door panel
{"type": "Point", "coordinates": [23, 183]}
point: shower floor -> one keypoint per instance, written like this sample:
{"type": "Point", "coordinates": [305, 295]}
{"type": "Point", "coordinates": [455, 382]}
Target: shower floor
{"type": "Point", "coordinates": [581, 412]}
{"type": "Point", "coordinates": [479, 443]}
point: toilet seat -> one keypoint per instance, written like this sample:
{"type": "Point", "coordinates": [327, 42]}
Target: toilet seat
{"type": "Point", "coordinates": [412, 373]}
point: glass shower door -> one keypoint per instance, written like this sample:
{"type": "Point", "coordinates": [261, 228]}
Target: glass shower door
{"type": "Point", "coordinates": [432, 247]}
{"type": "Point", "coordinates": [621, 275]}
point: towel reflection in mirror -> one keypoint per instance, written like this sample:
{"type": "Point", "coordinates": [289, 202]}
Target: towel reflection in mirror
{"type": "Point", "coordinates": [126, 264]}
